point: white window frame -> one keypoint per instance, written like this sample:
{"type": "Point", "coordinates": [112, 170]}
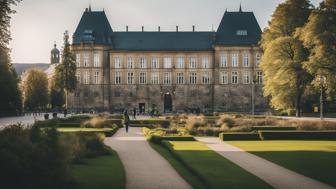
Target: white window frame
{"type": "Point", "coordinates": [235, 59]}
{"type": "Point", "coordinates": [167, 78]}
{"type": "Point", "coordinates": [206, 78]}
{"type": "Point", "coordinates": [96, 59]}
{"type": "Point", "coordinates": [234, 77]}
{"type": "Point", "coordinates": [96, 77]}
{"type": "Point", "coordinates": [179, 78]}
{"type": "Point", "coordinates": [246, 59]}
{"type": "Point", "coordinates": [117, 78]}
{"type": "Point", "coordinates": [130, 78]}
{"type": "Point", "coordinates": [86, 77]}
{"type": "Point", "coordinates": [259, 77]}
{"type": "Point", "coordinates": [155, 78]}
{"type": "Point", "coordinates": [193, 62]}
{"type": "Point", "coordinates": [223, 60]}
{"type": "Point", "coordinates": [180, 62]}
{"type": "Point", "coordinates": [78, 59]}
{"type": "Point", "coordinates": [78, 76]}
{"type": "Point", "coordinates": [246, 77]}
{"type": "Point", "coordinates": [167, 62]}
{"type": "Point", "coordinates": [117, 63]}
{"type": "Point", "coordinates": [224, 77]}
{"type": "Point", "coordinates": [205, 62]}
{"type": "Point", "coordinates": [143, 62]}
{"type": "Point", "coordinates": [142, 78]}
{"type": "Point", "coordinates": [130, 62]}
{"type": "Point", "coordinates": [86, 59]}
{"type": "Point", "coordinates": [193, 78]}
{"type": "Point", "coordinates": [258, 59]}
{"type": "Point", "coordinates": [155, 63]}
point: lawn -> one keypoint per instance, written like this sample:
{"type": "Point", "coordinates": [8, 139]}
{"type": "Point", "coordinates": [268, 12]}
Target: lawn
{"type": "Point", "coordinates": [315, 159]}
{"type": "Point", "coordinates": [103, 172]}
{"type": "Point", "coordinates": [214, 170]}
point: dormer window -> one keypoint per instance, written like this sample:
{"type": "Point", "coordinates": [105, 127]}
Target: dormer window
{"type": "Point", "coordinates": [241, 32]}
{"type": "Point", "coordinates": [88, 35]}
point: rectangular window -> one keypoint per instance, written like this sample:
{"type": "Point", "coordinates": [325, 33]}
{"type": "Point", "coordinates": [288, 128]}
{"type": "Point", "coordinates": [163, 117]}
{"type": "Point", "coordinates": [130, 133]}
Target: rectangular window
{"type": "Point", "coordinates": [167, 61]}
{"type": "Point", "coordinates": [246, 58]}
{"type": "Point", "coordinates": [193, 78]}
{"type": "Point", "coordinates": [193, 63]}
{"type": "Point", "coordinates": [206, 78]}
{"type": "Point", "coordinates": [143, 63]}
{"type": "Point", "coordinates": [78, 76]}
{"type": "Point", "coordinates": [142, 77]}
{"type": "Point", "coordinates": [155, 63]}
{"type": "Point", "coordinates": [130, 76]}
{"type": "Point", "coordinates": [246, 77]}
{"type": "Point", "coordinates": [117, 63]}
{"type": "Point", "coordinates": [96, 77]}
{"type": "Point", "coordinates": [155, 77]}
{"type": "Point", "coordinates": [96, 60]}
{"type": "Point", "coordinates": [258, 59]}
{"type": "Point", "coordinates": [259, 78]}
{"type": "Point", "coordinates": [234, 78]}
{"type": "Point", "coordinates": [205, 62]}
{"type": "Point", "coordinates": [117, 78]}
{"type": "Point", "coordinates": [234, 60]}
{"type": "Point", "coordinates": [224, 78]}
{"type": "Point", "coordinates": [86, 60]}
{"type": "Point", "coordinates": [223, 61]}
{"type": "Point", "coordinates": [180, 62]}
{"type": "Point", "coordinates": [179, 78]}
{"type": "Point", "coordinates": [167, 78]}
{"type": "Point", "coordinates": [78, 60]}
{"type": "Point", "coordinates": [129, 62]}
{"type": "Point", "coordinates": [86, 77]}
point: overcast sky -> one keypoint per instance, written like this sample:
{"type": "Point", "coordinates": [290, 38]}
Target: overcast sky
{"type": "Point", "coordinates": [38, 23]}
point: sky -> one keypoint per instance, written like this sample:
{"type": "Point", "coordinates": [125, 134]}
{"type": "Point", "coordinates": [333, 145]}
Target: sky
{"type": "Point", "coordinates": [39, 23]}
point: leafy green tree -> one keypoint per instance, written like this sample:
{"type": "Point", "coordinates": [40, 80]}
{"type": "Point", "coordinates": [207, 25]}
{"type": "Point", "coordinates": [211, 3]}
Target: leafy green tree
{"type": "Point", "coordinates": [10, 96]}
{"type": "Point", "coordinates": [36, 90]}
{"type": "Point", "coordinates": [65, 74]}
{"type": "Point", "coordinates": [284, 55]}
{"type": "Point", "coordinates": [56, 95]}
{"type": "Point", "coordinates": [319, 36]}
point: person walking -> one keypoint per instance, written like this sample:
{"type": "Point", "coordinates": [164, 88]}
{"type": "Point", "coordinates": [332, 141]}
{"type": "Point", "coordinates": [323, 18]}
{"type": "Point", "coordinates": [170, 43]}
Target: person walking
{"type": "Point", "coordinates": [134, 113]}
{"type": "Point", "coordinates": [126, 120]}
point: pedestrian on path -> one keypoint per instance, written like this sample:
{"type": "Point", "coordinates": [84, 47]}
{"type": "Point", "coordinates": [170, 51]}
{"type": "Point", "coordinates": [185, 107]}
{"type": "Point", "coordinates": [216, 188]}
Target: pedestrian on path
{"type": "Point", "coordinates": [126, 120]}
{"type": "Point", "coordinates": [134, 113]}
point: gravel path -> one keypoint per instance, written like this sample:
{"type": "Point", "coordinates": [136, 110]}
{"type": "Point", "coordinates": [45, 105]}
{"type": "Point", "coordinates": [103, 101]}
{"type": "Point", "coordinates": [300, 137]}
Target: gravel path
{"type": "Point", "coordinates": [275, 175]}
{"type": "Point", "coordinates": [145, 168]}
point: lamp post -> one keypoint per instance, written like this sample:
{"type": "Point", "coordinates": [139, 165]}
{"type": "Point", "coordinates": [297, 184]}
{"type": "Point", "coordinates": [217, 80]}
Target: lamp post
{"type": "Point", "coordinates": [322, 79]}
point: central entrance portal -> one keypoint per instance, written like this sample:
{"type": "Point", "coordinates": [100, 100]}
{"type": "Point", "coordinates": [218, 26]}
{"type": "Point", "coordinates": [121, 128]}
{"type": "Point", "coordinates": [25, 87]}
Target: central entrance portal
{"type": "Point", "coordinates": [168, 103]}
{"type": "Point", "coordinates": [142, 108]}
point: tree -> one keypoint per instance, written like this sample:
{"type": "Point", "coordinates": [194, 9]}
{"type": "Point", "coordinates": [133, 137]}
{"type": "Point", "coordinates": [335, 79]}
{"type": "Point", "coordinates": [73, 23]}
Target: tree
{"type": "Point", "coordinates": [319, 36]}
{"type": "Point", "coordinates": [56, 95]}
{"type": "Point", "coordinates": [65, 74]}
{"type": "Point", "coordinates": [10, 96]}
{"type": "Point", "coordinates": [284, 56]}
{"type": "Point", "coordinates": [36, 90]}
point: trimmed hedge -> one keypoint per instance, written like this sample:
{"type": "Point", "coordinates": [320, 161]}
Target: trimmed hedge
{"type": "Point", "coordinates": [273, 128]}
{"type": "Point", "coordinates": [158, 139]}
{"type": "Point", "coordinates": [162, 122]}
{"type": "Point", "coordinates": [142, 125]}
{"type": "Point", "coordinates": [76, 118]}
{"type": "Point", "coordinates": [68, 124]}
{"type": "Point", "coordinates": [298, 135]}
{"type": "Point", "coordinates": [239, 136]}
{"type": "Point", "coordinates": [118, 122]}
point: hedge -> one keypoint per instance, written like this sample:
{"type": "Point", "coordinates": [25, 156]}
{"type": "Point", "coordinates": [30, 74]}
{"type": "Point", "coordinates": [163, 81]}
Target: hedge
{"type": "Point", "coordinates": [273, 128]}
{"type": "Point", "coordinates": [76, 125]}
{"type": "Point", "coordinates": [161, 122]}
{"type": "Point", "coordinates": [158, 139]}
{"type": "Point", "coordinates": [239, 136]}
{"type": "Point", "coordinates": [142, 125]}
{"type": "Point", "coordinates": [298, 135]}
{"type": "Point", "coordinates": [118, 122]}
{"type": "Point", "coordinates": [76, 118]}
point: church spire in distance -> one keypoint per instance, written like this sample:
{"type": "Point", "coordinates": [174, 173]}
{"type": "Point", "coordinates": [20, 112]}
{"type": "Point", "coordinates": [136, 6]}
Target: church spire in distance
{"type": "Point", "coordinates": [240, 8]}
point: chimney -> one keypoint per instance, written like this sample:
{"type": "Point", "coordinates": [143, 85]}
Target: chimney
{"type": "Point", "coordinates": [176, 28]}
{"type": "Point", "coordinates": [159, 28]}
{"type": "Point", "coordinates": [126, 28]}
{"type": "Point", "coordinates": [143, 28]}
{"type": "Point", "coordinates": [193, 28]}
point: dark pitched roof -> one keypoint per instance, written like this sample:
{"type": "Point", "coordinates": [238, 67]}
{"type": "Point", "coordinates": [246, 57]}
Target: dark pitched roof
{"type": "Point", "coordinates": [235, 21]}
{"type": "Point", "coordinates": [162, 41]}
{"type": "Point", "coordinates": [93, 26]}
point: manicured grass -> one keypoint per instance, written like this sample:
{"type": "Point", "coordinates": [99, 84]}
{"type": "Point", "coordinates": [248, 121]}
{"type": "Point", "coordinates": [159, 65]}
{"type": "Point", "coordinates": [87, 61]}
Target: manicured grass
{"type": "Point", "coordinates": [191, 178]}
{"type": "Point", "coordinates": [104, 172]}
{"type": "Point", "coordinates": [315, 159]}
{"type": "Point", "coordinates": [212, 168]}
{"type": "Point", "coordinates": [84, 129]}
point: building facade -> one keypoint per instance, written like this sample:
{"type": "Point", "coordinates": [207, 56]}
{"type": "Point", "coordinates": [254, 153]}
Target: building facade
{"type": "Point", "coordinates": [175, 71]}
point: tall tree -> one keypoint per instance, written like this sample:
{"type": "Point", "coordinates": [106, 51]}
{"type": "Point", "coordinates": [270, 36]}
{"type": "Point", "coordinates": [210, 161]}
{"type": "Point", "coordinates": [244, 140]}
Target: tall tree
{"type": "Point", "coordinates": [319, 36]}
{"type": "Point", "coordinates": [10, 96]}
{"type": "Point", "coordinates": [65, 74]}
{"type": "Point", "coordinates": [56, 94]}
{"type": "Point", "coordinates": [36, 90]}
{"type": "Point", "coordinates": [284, 55]}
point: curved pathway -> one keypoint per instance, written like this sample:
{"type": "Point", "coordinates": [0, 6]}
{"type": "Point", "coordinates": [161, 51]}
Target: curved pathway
{"type": "Point", "coordinates": [275, 175]}
{"type": "Point", "coordinates": [145, 168]}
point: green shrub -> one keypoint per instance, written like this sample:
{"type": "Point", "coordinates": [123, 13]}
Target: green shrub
{"type": "Point", "coordinates": [142, 125]}
{"type": "Point", "coordinates": [76, 118]}
{"type": "Point", "coordinates": [239, 136]}
{"type": "Point", "coordinates": [69, 125]}
{"type": "Point", "coordinates": [118, 122]}
{"type": "Point", "coordinates": [298, 135]}
{"type": "Point", "coordinates": [158, 139]}
{"type": "Point", "coordinates": [47, 123]}
{"type": "Point", "coordinates": [273, 128]}
{"type": "Point", "coordinates": [163, 123]}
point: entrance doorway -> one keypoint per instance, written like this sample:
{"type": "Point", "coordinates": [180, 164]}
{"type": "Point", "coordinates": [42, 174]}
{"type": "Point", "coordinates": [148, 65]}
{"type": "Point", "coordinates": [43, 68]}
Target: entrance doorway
{"type": "Point", "coordinates": [142, 108]}
{"type": "Point", "coordinates": [168, 103]}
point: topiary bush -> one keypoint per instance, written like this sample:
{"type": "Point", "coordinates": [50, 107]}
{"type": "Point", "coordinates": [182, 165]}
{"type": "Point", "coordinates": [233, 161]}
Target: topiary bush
{"type": "Point", "coordinates": [239, 136]}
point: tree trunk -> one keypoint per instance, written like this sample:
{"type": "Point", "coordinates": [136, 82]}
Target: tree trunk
{"type": "Point", "coordinates": [298, 105]}
{"type": "Point", "coordinates": [66, 99]}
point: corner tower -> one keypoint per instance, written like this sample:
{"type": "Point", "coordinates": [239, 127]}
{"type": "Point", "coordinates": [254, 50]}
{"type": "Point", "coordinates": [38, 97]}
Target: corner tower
{"type": "Point", "coordinates": [55, 55]}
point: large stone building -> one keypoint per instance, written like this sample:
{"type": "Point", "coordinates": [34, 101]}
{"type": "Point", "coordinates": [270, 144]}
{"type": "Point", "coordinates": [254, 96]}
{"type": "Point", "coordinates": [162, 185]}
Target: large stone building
{"type": "Point", "coordinates": [172, 71]}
